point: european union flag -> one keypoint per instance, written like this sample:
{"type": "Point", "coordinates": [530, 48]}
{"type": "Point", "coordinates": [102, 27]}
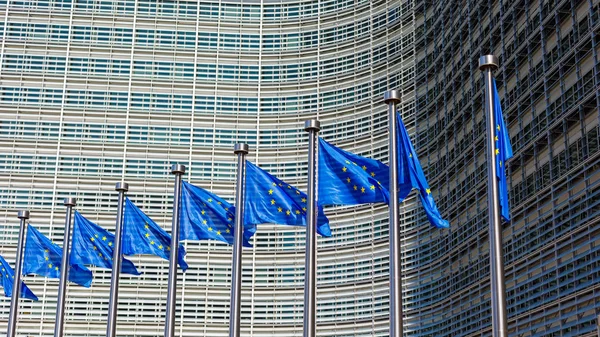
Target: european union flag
{"type": "Point", "coordinates": [503, 152]}
{"type": "Point", "coordinates": [43, 257]}
{"type": "Point", "coordinates": [94, 245]}
{"type": "Point", "coordinates": [270, 200]}
{"type": "Point", "coordinates": [410, 175]}
{"type": "Point", "coordinates": [8, 277]}
{"type": "Point", "coordinates": [205, 216]}
{"type": "Point", "coordinates": [141, 235]}
{"type": "Point", "coordinates": [349, 179]}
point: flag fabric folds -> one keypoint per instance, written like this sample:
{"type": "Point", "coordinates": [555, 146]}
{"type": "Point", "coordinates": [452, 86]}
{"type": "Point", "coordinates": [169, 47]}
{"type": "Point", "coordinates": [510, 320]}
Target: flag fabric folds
{"type": "Point", "coordinates": [93, 245]}
{"type": "Point", "coordinates": [270, 200]}
{"type": "Point", "coordinates": [141, 235]}
{"type": "Point", "coordinates": [349, 179]}
{"type": "Point", "coordinates": [43, 257]}
{"type": "Point", "coordinates": [205, 216]}
{"type": "Point", "coordinates": [503, 152]}
{"type": "Point", "coordinates": [8, 276]}
{"type": "Point", "coordinates": [410, 175]}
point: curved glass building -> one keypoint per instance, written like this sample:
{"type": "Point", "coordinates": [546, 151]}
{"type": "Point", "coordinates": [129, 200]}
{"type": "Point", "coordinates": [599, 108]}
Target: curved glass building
{"type": "Point", "coordinates": [93, 92]}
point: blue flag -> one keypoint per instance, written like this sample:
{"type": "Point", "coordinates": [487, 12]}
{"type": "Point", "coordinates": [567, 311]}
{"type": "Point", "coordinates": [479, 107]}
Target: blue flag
{"type": "Point", "coordinates": [503, 152]}
{"type": "Point", "coordinates": [270, 200]}
{"type": "Point", "coordinates": [410, 175]}
{"type": "Point", "coordinates": [93, 245]}
{"type": "Point", "coordinates": [141, 235]}
{"type": "Point", "coordinates": [205, 216]}
{"type": "Point", "coordinates": [349, 179]}
{"type": "Point", "coordinates": [8, 277]}
{"type": "Point", "coordinates": [43, 257]}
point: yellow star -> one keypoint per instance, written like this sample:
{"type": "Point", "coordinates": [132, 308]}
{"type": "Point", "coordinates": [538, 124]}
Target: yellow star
{"type": "Point", "coordinates": [355, 187]}
{"type": "Point", "coordinates": [100, 254]}
{"type": "Point", "coordinates": [288, 212]}
{"type": "Point", "coordinates": [410, 155]}
{"type": "Point", "coordinates": [304, 209]}
{"type": "Point", "coordinates": [354, 163]}
{"type": "Point", "coordinates": [203, 212]}
{"type": "Point", "coordinates": [297, 212]}
{"type": "Point", "coordinates": [46, 258]}
{"type": "Point", "coordinates": [218, 202]}
{"type": "Point", "coordinates": [347, 162]}
{"type": "Point", "coordinates": [56, 268]}
{"type": "Point", "coordinates": [209, 199]}
{"type": "Point", "coordinates": [227, 231]}
{"type": "Point", "coordinates": [372, 174]}
{"type": "Point", "coordinates": [45, 251]}
{"type": "Point", "coordinates": [290, 187]}
{"type": "Point", "coordinates": [210, 229]}
{"type": "Point", "coordinates": [498, 127]}
{"type": "Point", "coordinates": [279, 209]}
{"type": "Point", "coordinates": [297, 192]}
{"type": "Point", "coordinates": [49, 265]}
{"type": "Point", "coordinates": [304, 200]}
{"type": "Point", "coordinates": [229, 219]}
{"type": "Point", "coordinates": [274, 184]}
{"type": "Point", "coordinates": [500, 163]}
{"type": "Point", "coordinates": [104, 238]}
{"type": "Point", "coordinates": [93, 239]}
{"type": "Point", "coordinates": [160, 246]}
{"type": "Point", "coordinates": [152, 242]}
{"type": "Point", "coordinates": [348, 180]}
{"type": "Point", "coordinates": [204, 222]}
{"type": "Point", "coordinates": [95, 248]}
{"type": "Point", "coordinates": [110, 244]}
{"type": "Point", "coordinates": [218, 232]}
{"type": "Point", "coordinates": [169, 248]}
{"type": "Point", "coordinates": [270, 191]}
{"type": "Point", "coordinates": [146, 226]}
{"type": "Point", "coordinates": [364, 167]}
{"type": "Point", "coordinates": [96, 235]}
{"type": "Point", "coordinates": [226, 208]}
{"type": "Point", "coordinates": [272, 201]}
{"type": "Point", "coordinates": [497, 152]}
{"type": "Point", "coordinates": [362, 189]}
{"type": "Point", "coordinates": [372, 187]}
{"type": "Point", "coordinates": [147, 235]}
{"type": "Point", "coordinates": [428, 191]}
{"type": "Point", "coordinates": [344, 169]}
{"type": "Point", "coordinates": [496, 138]}
{"type": "Point", "coordinates": [280, 185]}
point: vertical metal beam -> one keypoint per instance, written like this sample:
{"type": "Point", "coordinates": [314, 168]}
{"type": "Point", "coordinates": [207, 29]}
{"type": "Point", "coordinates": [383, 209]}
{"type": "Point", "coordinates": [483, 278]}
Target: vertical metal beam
{"type": "Point", "coordinates": [64, 270]}
{"type": "Point", "coordinates": [16, 291]}
{"type": "Point", "coordinates": [392, 98]}
{"type": "Point", "coordinates": [111, 326]}
{"type": "Point", "coordinates": [310, 266]}
{"type": "Point", "coordinates": [178, 170]}
{"type": "Point", "coordinates": [241, 150]}
{"type": "Point", "coordinates": [487, 64]}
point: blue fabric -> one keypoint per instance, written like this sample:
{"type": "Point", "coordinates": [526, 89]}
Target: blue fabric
{"type": "Point", "coordinates": [141, 235]}
{"type": "Point", "coordinates": [43, 257]}
{"type": "Point", "coordinates": [205, 216]}
{"type": "Point", "coordinates": [503, 152]}
{"type": "Point", "coordinates": [270, 200]}
{"type": "Point", "coordinates": [410, 175]}
{"type": "Point", "coordinates": [348, 179]}
{"type": "Point", "coordinates": [93, 245]}
{"type": "Point", "coordinates": [8, 277]}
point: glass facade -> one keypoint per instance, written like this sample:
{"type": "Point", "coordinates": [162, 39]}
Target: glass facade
{"type": "Point", "coordinates": [95, 91]}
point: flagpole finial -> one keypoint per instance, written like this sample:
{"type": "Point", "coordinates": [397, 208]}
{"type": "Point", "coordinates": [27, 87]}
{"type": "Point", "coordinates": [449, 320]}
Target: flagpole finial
{"type": "Point", "coordinates": [23, 214]}
{"type": "Point", "coordinates": [240, 148]}
{"type": "Point", "coordinates": [312, 124]}
{"type": "Point", "coordinates": [70, 201]}
{"type": "Point", "coordinates": [178, 169]}
{"type": "Point", "coordinates": [488, 61]}
{"type": "Point", "coordinates": [122, 187]}
{"type": "Point", "coordinates": [391, 96]}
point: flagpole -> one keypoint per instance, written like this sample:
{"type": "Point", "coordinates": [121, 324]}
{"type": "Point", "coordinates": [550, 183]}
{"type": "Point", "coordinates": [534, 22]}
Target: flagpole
{"type": "Point", "coordinates": [178, 170]}
{"type": "Point", "coordinates": [64, 270]}
{"type": "Point", "coordinates": [312, 126]}
{"type": "Point", "coordinates": [111, 327]}
{"type": "Point", "coordinates": [487, 64]}
{"type": "Point", "coordinates": [16, 291]}
{"type": "Point", "coordinates": [392, 98]}
{"type": "Point", "coordinates": [241, 150]}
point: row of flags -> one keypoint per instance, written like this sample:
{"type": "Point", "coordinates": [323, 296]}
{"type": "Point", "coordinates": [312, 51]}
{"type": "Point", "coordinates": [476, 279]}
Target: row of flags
{"type": "Point", "coordinates": [344, 179]}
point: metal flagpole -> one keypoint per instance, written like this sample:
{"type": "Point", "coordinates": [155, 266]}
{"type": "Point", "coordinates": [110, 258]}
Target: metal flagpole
{"type": "Point", "coordinates": [64, 270]}
{"type": "Point", "coordinates": [178, 170]}
{"type": "Point", "coordinates": [487, 64]}
{"type": "Point", "coordinates": [392, 98]}
{"type": "Point", "coordinates": [241, 150]}
{"type": "Point", "coordinates": [310, 266]}
{"type": "Point", "coordinates": [111, 327]}
{"type": "Point", "coordinates": [16, 291]}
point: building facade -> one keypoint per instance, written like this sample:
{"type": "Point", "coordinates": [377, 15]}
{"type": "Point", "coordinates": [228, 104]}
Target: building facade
{"type": "Point", "coordinates": [93, 92]}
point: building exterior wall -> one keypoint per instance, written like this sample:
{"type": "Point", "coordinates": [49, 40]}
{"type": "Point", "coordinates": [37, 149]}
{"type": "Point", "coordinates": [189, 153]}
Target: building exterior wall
{"type": "Point", "coordinates": [92, 92]}
{"type": "Point", "coordinates": [548, 82]}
